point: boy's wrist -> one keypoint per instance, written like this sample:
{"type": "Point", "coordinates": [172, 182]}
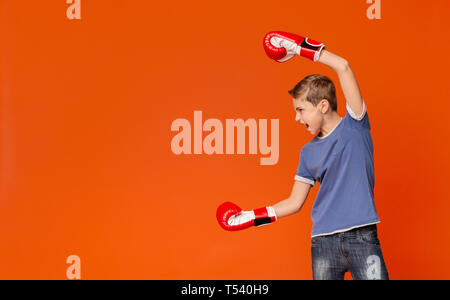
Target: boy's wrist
{"type": "Point", "coordinates": [332, 60]}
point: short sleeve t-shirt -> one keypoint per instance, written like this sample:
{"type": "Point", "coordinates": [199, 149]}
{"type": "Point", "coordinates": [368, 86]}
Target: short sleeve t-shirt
{"type": "Point", "coordinates": [342, 162]}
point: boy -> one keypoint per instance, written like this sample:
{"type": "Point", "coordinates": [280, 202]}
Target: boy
{"type": "Point", "coordinates": [340, 157]}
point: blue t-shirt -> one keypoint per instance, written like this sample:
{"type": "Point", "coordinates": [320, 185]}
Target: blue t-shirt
{"type": "Point", "coordinates": [342, 162]}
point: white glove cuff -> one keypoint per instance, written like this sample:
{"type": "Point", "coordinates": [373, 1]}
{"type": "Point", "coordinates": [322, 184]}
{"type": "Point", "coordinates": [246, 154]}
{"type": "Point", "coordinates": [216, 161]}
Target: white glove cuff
{"type": "Point", "coordinates": [317, 54]}
{"type": "Point", "coordinates": [271, 212]}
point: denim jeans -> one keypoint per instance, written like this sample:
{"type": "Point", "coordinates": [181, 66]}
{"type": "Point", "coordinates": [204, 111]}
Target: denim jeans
{"type": "Point", "coordinates": [357, 251]}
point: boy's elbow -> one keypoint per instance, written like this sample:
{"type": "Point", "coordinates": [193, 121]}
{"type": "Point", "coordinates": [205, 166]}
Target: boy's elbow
{"type": "Point", "coordinates": [344, 65]}
{"type": "Point", "coordinates": [297, 205]}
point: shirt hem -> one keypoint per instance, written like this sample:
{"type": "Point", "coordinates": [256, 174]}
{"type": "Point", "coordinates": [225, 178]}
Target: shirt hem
{"type": "Point", "coordinates": [354, 116]}
{"type": "Point", "coordinates": [304, 180]}
{"type": "Point", "coordinates": [346, 229]}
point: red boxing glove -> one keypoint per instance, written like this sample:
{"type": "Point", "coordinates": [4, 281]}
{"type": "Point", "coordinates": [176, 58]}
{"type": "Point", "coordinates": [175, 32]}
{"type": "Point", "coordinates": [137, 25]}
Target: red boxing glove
{"type": "Point", "coordinates": [232, 218]}
{"type": "Point", "coordinates": [282, 46]}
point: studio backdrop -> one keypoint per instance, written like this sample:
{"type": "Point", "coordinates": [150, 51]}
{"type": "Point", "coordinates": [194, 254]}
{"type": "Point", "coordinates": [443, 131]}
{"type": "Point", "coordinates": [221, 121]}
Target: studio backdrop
{"type": "Point", "coordinates": [116, 147]}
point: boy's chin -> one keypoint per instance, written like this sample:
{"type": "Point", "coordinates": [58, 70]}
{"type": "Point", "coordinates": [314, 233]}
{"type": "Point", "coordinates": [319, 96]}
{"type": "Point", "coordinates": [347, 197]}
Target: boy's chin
{"type": "Point", "coordinates": [311, 130]}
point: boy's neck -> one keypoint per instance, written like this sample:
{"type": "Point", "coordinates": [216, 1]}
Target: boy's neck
{"type": "Point", "coordinates": [330, 122]}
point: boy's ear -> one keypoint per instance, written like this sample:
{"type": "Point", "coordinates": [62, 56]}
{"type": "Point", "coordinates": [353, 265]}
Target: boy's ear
{"type": "Point", "coordinates": [324, 106]}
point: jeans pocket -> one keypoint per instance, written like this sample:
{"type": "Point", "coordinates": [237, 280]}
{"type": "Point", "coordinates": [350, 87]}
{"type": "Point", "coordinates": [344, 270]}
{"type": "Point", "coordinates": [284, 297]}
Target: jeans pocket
{"type": "Point", "coordinates": [368, 236]}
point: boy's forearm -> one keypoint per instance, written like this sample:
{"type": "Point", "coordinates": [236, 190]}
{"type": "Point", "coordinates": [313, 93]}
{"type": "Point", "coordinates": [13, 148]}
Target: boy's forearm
{"type": "Point", "coordinates": [332, 60]}
{"type": "Point", "coordinates": [286, 208]}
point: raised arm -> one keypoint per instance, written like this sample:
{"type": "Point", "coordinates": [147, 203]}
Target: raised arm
{"type": "Point", "coordinates": [283, 46]}
{"type": "Point", "coordinates": [347, 79]}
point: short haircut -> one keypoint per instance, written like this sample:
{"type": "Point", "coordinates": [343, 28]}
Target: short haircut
{"type": "Point", "coordinates": [315, 88]}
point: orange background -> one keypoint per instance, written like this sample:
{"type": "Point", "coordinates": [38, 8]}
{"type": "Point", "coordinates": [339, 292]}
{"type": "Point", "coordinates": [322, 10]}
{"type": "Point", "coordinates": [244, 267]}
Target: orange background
{"type": "Point", "coordinates": [86, 109]}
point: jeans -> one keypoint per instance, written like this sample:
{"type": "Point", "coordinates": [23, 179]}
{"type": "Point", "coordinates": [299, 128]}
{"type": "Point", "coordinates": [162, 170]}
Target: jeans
{"type": "Point", "coordinates": [357, 251]}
